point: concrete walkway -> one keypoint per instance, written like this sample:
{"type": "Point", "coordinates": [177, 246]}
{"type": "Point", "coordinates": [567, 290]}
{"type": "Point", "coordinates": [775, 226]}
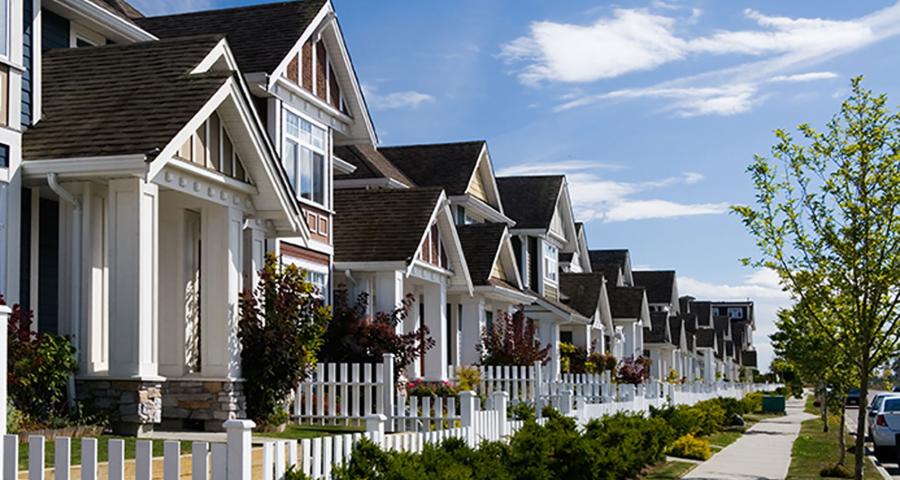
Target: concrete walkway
{"type": "Point", "coordinates": [762, 453]}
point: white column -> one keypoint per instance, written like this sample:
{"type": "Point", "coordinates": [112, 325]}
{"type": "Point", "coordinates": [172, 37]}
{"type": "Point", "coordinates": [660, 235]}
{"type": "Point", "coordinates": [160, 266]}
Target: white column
{"type": "Point", "coordinates": [709, 369]}
{"type": "Point", "coordinates": [436, 321]}
{"type": "Point", "coordinates": [10, 231]}
{"type": "Point", "coordinates": [473, 322]}
{"type": "Point", "coordinates": [629, 331]}
{"type": "Point", "coordinates": [388, 294]}
{"type": "Point", "coordinates": [221, 284]}
{"type": "Point", "coordinates": [95, 281]}
{"type": "Point", "coordinates": [4, 320]}
{"type": "Point", "coordinates": [254, 252]}
{"type": "Point", "coordinates": [133, 225]}
{"type": "Point", "coordinates": [549, 332]}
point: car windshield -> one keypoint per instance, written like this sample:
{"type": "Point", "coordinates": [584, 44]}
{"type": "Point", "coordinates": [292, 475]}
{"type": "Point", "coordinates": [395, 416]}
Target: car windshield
{"type": "Point", "coordinates": [877, 402]}
{"type": "Point", "coordinates": [892, 405]}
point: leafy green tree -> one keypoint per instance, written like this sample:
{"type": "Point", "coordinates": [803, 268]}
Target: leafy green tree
{"type": "Point", "coordinates": [825, 219]}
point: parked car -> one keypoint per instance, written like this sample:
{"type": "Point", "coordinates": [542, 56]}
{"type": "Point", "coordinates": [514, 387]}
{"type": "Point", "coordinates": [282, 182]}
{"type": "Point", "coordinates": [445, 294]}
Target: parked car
{"type": "Point", "coordinates": [875, 406]}
{"type": "Point", "coordinates": [886, 429]}
{"type": "Point", "coordinates": [853, 397]}
{"type": "Point", "coordinates": [897, 389]}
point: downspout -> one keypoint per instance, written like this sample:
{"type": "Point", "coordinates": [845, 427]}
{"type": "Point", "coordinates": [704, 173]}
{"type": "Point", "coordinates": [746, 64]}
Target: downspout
{"type": "Point", "coordinates": [65, 195]}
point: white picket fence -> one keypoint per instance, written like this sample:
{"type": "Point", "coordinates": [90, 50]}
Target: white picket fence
{"type": "Point", "coordinates": [346, 394]}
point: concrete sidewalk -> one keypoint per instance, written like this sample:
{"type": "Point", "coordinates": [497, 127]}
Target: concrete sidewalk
{"type": "Point", "coordinates": [763, 453]}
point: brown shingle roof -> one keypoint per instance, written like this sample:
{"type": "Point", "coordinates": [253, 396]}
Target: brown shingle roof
{"type": "Point", "coordinates": [625, 302]}
{"type": "Point", "coordinates": [582, 290]}
{"type": "Point", "coordinates": [121, 8]}
{"type": "Point", "coordinates": [381, 225]}
{"type": "Point", "coordinates": [480, 243]}
{"type": "Point", "coordinates": [675, 329]}
{"type": "Point", "coordinates": [120, 99]}
{"type": "Point", "coordinates": [260, 35]}
{"type": "Point", "coordinates": [446, 165]}
{"type": "Point", "coordinates": [659, 284]}
{"type": "Point", "coordinates": [530, 201]}
{"type": "Point", "coordinates": [369, 163]}
{"type": "Point", "coordinates": [608, 257]}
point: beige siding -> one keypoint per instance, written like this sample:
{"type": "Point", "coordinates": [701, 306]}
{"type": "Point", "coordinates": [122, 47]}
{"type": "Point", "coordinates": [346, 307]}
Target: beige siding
{"type": "Point", "coordinates": [476, 188]}
{"type": "Point", "coordinates": [498, 271]}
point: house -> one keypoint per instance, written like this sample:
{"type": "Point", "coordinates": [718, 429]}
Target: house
{"type": "Point", "coordinates": [615, 263]}
{"type": "Point", "coordinates": [577, 261]}
{"type": "Point", "coordinates": [659, 345]}
{"type": "Point", "coordinates": [586, 293]}
{"type": "Point", "coordinates": [544, 227]}
{"type": "Point", "coordinates": [630, 312]}
{"type": "Point", "coordinates": [661, 288]}
{"type": "Point", "coordinates": [295, 62]}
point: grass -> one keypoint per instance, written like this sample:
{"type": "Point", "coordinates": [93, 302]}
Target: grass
{"type": "Point", "coordinates": [814, 450]}
{"type": "Point", "coordinates": [102, 450]}
{"type": "Point", "coordinates": [299, 432]}
{"type": "Point", "coordinates": [669, 471]}
{"type": "Point", "coordinates": [724, 439]}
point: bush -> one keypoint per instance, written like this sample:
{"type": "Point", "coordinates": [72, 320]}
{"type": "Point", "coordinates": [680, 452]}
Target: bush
{"type": "Point", "coordinates": [40, 365]}
{"type": "Point", "coordinates": [353, 336]}
{"type": "Point", "coordinates": [691, 447]}
{"type": "Point", "coordinates": [280, 330]}
{"type": "Point", "coordinates": [752, 402]}
{"type": "Point", "coordinates": [469, 379]}
{"type": "Point", "coordinates": [422, 388]}
{"type": "Point", "coordinates": [521, 411]}
{"type": "Point", "coordinates": [633, 370]}
{"type": "Point", "coordinates": [601, 362]}
{"type": "Point", "coordinates": [512, 341]}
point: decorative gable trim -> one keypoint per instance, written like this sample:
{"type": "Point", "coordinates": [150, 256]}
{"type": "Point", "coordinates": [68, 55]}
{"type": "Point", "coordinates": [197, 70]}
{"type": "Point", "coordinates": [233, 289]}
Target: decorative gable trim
{"type": "Point", "coordinates": [484, 180]}
{"type": "Point", "coordinates": [443, 220]}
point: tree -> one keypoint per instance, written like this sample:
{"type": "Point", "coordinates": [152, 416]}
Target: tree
{"type": "Point", "coordinates": [280, 329]}
{"type": "Point", "coordinates": [355, 337]}
{"type": "Point", "coordinates": [512, 341]}
{"type": "Point", "coordinates": [825, 220]}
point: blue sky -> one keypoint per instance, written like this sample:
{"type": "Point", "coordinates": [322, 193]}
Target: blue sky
{"type": "Point", "coordinates": [653, 109]}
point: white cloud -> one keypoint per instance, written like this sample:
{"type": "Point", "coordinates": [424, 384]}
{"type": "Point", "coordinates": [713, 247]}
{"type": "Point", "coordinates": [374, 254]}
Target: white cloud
{"type": "Point", "coordinates": [395, 100]}
{"type": "Point", "coordinates": [762, 287]}
{"type": "Point", "coordinates": [598, 198]}
{"type": "Point", "coordinates": [803, 77]}
{"type": "Point", "coordinates": [632, 40]}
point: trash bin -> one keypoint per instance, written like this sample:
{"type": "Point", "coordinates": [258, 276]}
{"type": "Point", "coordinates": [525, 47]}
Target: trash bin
{"type": "Point", "coordinates": [773, 404]}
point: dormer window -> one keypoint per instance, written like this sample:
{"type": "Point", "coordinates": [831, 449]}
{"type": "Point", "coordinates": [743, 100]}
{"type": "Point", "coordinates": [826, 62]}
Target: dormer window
{"type": "Point", "coordinates": [551, 263]}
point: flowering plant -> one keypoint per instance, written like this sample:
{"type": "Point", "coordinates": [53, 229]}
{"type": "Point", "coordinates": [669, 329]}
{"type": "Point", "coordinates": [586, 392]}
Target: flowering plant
{"type": "Point", "coordinates": [633, 370]}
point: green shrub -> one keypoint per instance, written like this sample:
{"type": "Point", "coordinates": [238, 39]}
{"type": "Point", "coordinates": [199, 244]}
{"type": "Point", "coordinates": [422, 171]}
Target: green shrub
{"type": "Point", "coordinates": [752, 402]}
{"type": "Point", "coordinates": [295, 474]}
{"type": "Point", "coordinates": [521, 411]}
{"type": "Point", "coordinates": [689, 446]}
{"type": "Point", "coordinates": [469, 378]}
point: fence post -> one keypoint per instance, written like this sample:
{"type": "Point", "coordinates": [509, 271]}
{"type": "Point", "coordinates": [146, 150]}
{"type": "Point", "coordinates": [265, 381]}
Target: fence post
{"type": "Point", "coordinates": [500, 400]}
{"type": "Point", "coordinates": [467, 414]}
{"type": "Point", "coordinates": [239, 436]}
{"type": "Point", "coordinates": [375, 428]}
{"type": "Point", "coordinates": [389, 391]}
{"type": "Point", "coordinates": [565, 402]}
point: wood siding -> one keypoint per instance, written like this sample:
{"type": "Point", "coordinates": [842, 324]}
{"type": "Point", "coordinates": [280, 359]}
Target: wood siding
{"type": "Point", "coordinates": [307, 64]}
{"type": "Point", "coordinates": [293, 70]}
{"type": "Point", "coordinates": [319, 223]}
{"type": "Point", "coordinates": [476, 188]}
{"type": "Point", "coordinates": [321, 68]}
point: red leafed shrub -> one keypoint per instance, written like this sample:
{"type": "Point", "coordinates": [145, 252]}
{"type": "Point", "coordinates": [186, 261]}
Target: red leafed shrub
{"type": "Point", "coordinates": [356, 337]}
{"type": "Point", "coordinates": [512, 341]}
{"type": "Point", "coordinates": [633, 370]}
{"type": "Point", "coordinates": [40, 365]}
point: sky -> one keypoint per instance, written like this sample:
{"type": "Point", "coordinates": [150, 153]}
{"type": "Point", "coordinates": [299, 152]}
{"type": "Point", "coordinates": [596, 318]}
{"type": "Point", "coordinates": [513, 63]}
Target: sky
{"type": "Point", "coordinates": [652, 109]}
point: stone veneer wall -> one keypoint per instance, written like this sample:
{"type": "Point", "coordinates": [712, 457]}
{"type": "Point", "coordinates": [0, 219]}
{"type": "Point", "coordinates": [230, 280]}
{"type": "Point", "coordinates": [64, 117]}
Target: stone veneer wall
{"type": "Point", "coordinates": [189, 403]}
{"type": "Point", "coordinates": [135, 405]}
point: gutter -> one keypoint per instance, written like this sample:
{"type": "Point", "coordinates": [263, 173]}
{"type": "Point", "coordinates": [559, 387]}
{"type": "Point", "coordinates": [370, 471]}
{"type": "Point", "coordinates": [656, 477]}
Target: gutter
{"type": "Point", "coordinates": [65, 195]}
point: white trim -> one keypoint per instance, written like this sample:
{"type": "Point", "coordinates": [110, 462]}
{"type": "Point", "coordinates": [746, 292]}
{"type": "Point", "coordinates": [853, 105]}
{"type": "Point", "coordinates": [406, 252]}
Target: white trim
{"type": "Point", "coordinates": [369, 182]}
{"type": "Point", "coordinates": [219, 51]}
{"type": "Point", "coordinates": [478, 206]}
{"type": "Point", "coordinates": [87, 166]}
{"type": "Point", "coordinates": [125, 29]}
{"type": "Point", "coordinates": [310, 97]}
{"type": "Point", "coordinates": [213, 176]}
{"type": "Point", "coordinates": [80, 32]}
{"type": "Point", "coordinates": [371, 266]}
{"type": "Point", "coordinates": [342, 166]}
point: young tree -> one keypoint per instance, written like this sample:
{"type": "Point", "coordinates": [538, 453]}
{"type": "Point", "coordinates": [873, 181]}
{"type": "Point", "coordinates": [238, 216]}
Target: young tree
{"type": "Point", "coordinates": [512, 341]}
{"type": "Point", "coordinates": [826, 220]}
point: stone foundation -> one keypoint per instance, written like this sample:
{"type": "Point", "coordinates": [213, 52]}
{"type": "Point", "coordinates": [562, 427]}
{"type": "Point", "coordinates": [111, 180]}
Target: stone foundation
{"type": "Point", "coordinates": [135, 406]}
{"type": "Point", "coordinates": [201, 404]}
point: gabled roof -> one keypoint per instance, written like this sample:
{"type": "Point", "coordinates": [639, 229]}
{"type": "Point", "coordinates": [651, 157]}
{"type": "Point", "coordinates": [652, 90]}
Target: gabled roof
{"type": "Point", "coordinates": [369, 163]}
{"type": "Point", "coordinates": [610, 271]}
{"type": "Point", "coordinates": [691, 339]}
{"type": "Point", "coordinates": [582, 290]}
{"type": "Point", "coordinates": [120, 99]}
{"type": "Point", "coordinates": [480, 244]}
{"type": "Point", "coordinates": [660, 284]}
{"type": "Point", "coordinates": [690, 321]}
{"type": "Point", "coordinates": [260, 35]}
{"type": "Point", "coordinates": [551, 304]}
{"type": "Point", "coordinates": [381, 225]}
{"type": "Point", "coordinates": [658, 332]}
{"type": "Point", "coordinates": [706, 338]}
{"type": "Point", "coordinates": [530, 200]}
{"type": "Point", "coordinates": [609, 257]}
{"type": "Point", "coordinates": [722, 324]}
{"type": "Point", "coordinates": [446, 165]}
{"type": "Point", "coordinates": [625, 302]}
{"type": "Point", "coordinates": [675, 329]}
{"type": "Point", "coordinates": [703, 310]}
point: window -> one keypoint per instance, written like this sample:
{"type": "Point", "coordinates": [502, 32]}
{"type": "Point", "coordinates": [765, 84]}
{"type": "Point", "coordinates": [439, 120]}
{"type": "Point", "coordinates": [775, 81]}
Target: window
{"type": "Point", "coordinates": [4, 28]}
{"type": "Point", "coordinates": [319, 279]}
{"type": "Point", "coordinates": [489, 320]}
{"type": "Point", "coordinates": [736, 312]}
{"type": "Point", "coordinates": [304, 158]}
{"type": "Point", "coordinates": [565, 337]}
{"type": "Point", "coordinates": [550, 262]}
{"type": "Point", "coordinates": [4, 155]}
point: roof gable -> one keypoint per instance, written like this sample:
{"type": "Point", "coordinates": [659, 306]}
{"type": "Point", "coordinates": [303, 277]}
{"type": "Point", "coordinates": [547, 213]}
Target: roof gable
{"type": "Point", "coordinates": [627, 302]}
{"type": "Point", "coordinates": [660, 285]}
{"type": "Point", "coordinates": [582, 291]}
{"type": "Point", "coordinates": [370, 164]}
{"type": "Point", "coordinates": [450, 166]}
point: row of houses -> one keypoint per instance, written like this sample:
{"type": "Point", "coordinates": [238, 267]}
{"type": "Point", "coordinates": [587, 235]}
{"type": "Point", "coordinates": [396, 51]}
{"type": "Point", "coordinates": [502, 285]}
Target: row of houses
{"type": "Point", "coordinates": [147, 164]}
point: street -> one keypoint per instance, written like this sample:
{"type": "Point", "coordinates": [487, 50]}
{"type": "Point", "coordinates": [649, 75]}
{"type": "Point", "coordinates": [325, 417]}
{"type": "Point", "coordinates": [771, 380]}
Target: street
{"type": "Point", "coordinates": [851, 419]}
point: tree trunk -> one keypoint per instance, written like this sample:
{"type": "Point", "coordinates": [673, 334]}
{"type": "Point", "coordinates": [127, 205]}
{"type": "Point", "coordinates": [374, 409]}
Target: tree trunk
{"type": "Point", "coordinates": [842, 440]}
{"type": "Point", "coordinates": [859, 449]}
{"type": "Point", "coordinates": [823, 398]}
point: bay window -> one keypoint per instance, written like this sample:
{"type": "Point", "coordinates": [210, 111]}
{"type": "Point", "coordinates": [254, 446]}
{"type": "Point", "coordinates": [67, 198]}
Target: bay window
{"type": "Point", "coordinates": [304, 158]}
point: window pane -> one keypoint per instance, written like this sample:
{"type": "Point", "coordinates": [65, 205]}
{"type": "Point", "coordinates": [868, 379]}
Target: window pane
{"type": "Point", "coordinates": [4, 27]}
{"type": "Point", "coordinates": [318, 178]}
{"type": "Point", "coordinates": [227, 155]}
{"type": "Point", "coordinates": [318, 137]}
{"type": "Point", "coordinates": [290, 162]}
{"type": "Point", "coordinates": [293, 125]}
{"type": "Point", "coordinates": [306, 132]}
{"type": "Point", "coordinates": [306, 172]}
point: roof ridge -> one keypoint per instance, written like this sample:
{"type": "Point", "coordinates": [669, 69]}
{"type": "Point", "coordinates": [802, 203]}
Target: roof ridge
{"type": "Point", "coordinates": [190, 39]}
{"type": "Point", "coordinates": [561, 176]}
{"type": "Point", "coordinates": [438, 144]}
{"type": "Point", "coordinates": [233, 9]}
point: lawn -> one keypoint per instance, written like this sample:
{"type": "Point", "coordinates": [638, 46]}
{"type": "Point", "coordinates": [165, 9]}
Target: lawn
{"type": "Point", "coordinates": [669, 471]}
{"type": "Point", "coordinates": [299, 432]}
{"type": "Point", "coordinates": [723, 439]}
{"type": "Point", "coordinates": [102, 450]}
{"type": "Point", "coordinates": [815, 450]}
